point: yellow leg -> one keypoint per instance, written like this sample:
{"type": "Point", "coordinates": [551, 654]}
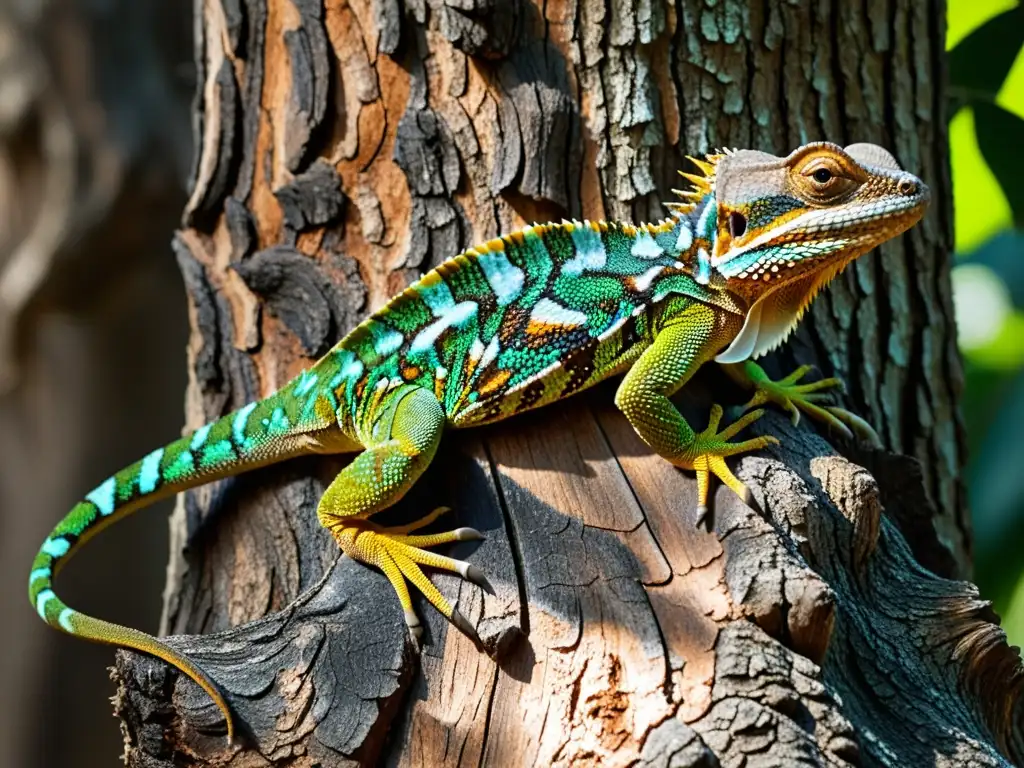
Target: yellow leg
{"type": "Point", "coordinates": [376, 479]}
{"type": "Point", "coordinates": [711, 447]}
{"type": "Point", "coordinates": [679, 348]}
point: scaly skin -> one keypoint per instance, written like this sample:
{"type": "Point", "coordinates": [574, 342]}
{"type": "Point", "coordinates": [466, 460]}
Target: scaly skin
{"type": "Point", "coordinates": [526, 320]}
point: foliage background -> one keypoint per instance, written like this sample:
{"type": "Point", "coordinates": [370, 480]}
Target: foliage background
{"type": "Point", "coordinates": [986, 43]}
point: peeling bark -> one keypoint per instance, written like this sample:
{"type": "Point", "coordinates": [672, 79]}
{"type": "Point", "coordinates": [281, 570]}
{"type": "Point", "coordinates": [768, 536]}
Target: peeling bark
{"type": "Point", "coordinates": [347, 146]}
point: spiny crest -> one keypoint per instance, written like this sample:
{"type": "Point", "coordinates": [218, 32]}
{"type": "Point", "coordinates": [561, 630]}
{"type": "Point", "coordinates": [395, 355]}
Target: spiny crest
{"type": "Point", "coordinates": [703, 183]}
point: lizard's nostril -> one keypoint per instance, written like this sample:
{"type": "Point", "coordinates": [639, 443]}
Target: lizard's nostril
{"type": "Point", "coordinates": [907, 187]}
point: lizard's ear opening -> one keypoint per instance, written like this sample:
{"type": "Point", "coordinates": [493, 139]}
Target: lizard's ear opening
{"type": "Point", "coordinates": [737, 224]}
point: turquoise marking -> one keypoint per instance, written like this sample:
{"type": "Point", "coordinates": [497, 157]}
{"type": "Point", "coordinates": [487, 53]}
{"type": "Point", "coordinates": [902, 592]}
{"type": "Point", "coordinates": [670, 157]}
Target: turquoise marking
{"type": "Point", "coordinates": [644, 247]}
{"type": "Point", "coordinates": [42, 599]}
{"type": "Point", "coordinates": [457, 316]}
{"type": "Point", "coordinates": [505, 279]}
{"type": "Point", "coordinates": [307, 410]}
{"type": "Point", "coordinates": [776, 254]}
{"type": "Point", "coordinates": [199, 438]}
{"type": "Point", "coordinates": [353, 369]}
{"type": "Point", "coordinates": [39, 573]}
{"type": "Point", "coordinates": [278, 422]}
{"type": "Point", "coordinates": [685, 240]}
{"type": "Point", "coordinates": [438, 297]}
{"type": "Point", "coordinates": [386, 341]}
{"type": "Point", "coordinates": [65, 620]}
{"type": "Point", "coordinates": [621, 314]}
{"type": "Point", "coordinates": [703, 273]}
{"type": "Point", "coordinates": [306, 382]}
{"type": "Point", "coordinates": [344, 358]}
{"type": "Point", "coordinates": [149, 472]}
{"type": "Point", "coordinates": [739, 264]}
{"type": "Point", "coordinates": [103, 496]}
{"type": "Point", "coordinates": [548, 312]}
{"type": "Point", "coordinates": [183, 465]}
{"type": "Point", "coordinates": [590, 252]}
{"type": "Point", "coordinates": [708, 221]}
{"type": "Point", "coordinates": [56, 547]}
{"type": "Point", "coordinates": [218, 452]}
{"type": "Point", "coordinates": [242, 417]}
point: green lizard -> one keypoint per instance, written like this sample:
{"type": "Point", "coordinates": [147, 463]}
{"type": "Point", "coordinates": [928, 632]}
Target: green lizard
{"type": "Point", "coordinates": [521, 322]}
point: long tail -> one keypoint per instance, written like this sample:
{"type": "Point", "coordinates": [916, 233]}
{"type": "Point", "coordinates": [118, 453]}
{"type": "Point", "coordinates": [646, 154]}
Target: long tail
{"type": "Point", "coordinates": [258, 434]}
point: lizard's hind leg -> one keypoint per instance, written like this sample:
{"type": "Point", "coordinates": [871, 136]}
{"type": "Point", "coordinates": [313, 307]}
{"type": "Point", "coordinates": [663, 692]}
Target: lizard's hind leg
{"type": "Point", "coordinates": [400, 441]}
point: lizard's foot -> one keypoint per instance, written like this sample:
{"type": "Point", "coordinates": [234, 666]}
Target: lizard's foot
{"type": "Point", "coordinates": [399, 555]}
{"type": "Point", "coordinates": [709, 449]}
{"type": "Point", "coordinates": [794, 397]}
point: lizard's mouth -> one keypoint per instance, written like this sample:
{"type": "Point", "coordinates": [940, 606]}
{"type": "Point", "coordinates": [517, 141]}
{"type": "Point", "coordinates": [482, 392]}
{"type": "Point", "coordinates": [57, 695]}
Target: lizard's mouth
{"type": "Point", "coordinates": [805, 242]}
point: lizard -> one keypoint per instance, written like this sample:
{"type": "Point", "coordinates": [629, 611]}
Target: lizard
{"type": "Point", "coordinates": [525, 320]}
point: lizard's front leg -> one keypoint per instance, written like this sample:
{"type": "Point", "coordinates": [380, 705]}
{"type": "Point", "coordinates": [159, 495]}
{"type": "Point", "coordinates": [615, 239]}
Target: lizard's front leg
{"type": "Point", "coordinates": [789, 394]}
{"type": "Point", "coordinates": [402, 436]}
{"type": "Point", "coordinates": [686, 341]}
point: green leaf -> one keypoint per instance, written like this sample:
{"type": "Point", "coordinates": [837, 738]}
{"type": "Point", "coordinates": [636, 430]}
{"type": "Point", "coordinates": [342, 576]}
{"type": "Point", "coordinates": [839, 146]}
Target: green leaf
{"type": "Point", "coordinates": [981, 209]}
{"type": "Point", "coordinates": [1000, 138]}
{"type": "Point", "coordinates": [979, 64]}
{"type": "Point", "coordinates": [965, 16]}
{"type": "Point", "coordinates": [1011, 95]}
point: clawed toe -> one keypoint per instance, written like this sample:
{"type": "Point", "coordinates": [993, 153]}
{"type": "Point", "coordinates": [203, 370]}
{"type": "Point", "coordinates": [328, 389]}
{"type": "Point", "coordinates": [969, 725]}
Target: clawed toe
{"type": "Point", "coordinates": [852, 424]}
{"type": "Point", "coordinates": [463, 625]}
{"type": "Point", "coordinates": [711, 447]}
{"type": "Point", "coordinates": [399, 555]}
{"type": "Point", "coordinates": [794, 397]}
{"type": "Point", "coordinates": [475, 575]}
{"type": "Point", "coordinates": [412, 621]}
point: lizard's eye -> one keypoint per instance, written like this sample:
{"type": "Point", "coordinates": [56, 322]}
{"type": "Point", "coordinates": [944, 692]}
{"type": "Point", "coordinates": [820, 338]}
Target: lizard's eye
{"type": "Point", "coordinates": [823, 174]}
{"type": "Point", "coordinates": [825, 181]}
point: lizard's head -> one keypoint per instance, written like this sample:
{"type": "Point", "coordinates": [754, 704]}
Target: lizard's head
{"type": "Point", "coordinates": [780, 229]}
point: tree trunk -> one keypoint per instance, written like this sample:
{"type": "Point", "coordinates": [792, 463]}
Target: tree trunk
{"type": "Point", "coordinates": [347, 146]}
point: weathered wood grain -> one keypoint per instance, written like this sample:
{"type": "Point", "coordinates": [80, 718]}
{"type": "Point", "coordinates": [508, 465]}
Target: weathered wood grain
{"type": "Point", "coordinates": [370, 141]}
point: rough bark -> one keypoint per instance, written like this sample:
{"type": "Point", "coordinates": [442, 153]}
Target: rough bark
{"type": "Point", "coordinates": [347, 146]}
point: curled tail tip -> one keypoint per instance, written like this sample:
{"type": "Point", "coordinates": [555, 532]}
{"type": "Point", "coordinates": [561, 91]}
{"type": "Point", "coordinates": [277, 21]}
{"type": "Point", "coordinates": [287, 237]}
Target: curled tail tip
{"type": "Point", "coordinates": [54, 612]}
{"type": "Point", "coordinates": [164, 469]}
{"type": "Point", "coordinates": [126, 637]}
